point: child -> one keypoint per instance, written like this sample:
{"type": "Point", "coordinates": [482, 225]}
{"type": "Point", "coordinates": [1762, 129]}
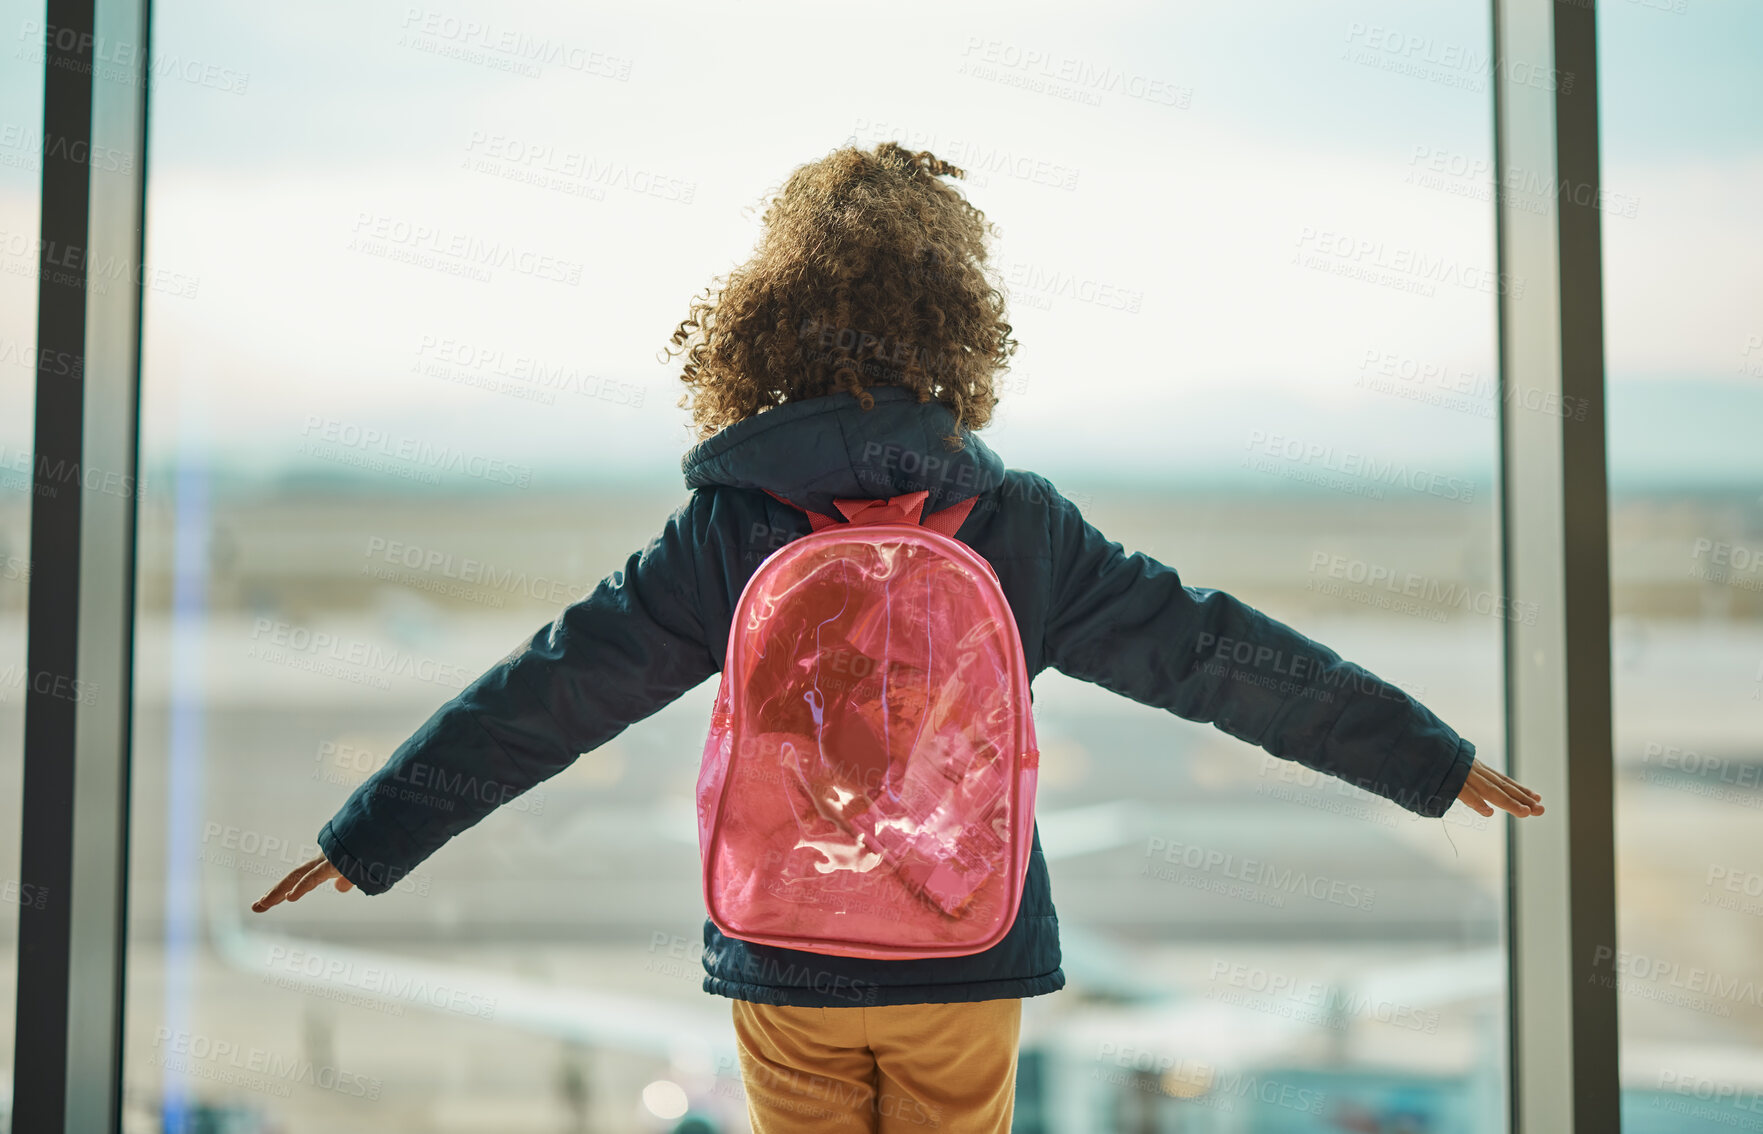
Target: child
{"type": "Point", "coordinates": [853, 356]}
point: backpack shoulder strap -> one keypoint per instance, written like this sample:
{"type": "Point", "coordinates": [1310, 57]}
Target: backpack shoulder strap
{"type": "Point", "coordinates": [907, 508]}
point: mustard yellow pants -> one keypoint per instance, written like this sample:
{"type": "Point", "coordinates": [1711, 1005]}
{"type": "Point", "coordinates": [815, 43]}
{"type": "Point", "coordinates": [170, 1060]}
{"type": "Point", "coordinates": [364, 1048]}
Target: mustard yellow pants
{"type": "Point", "coordinates": [948, 1068]}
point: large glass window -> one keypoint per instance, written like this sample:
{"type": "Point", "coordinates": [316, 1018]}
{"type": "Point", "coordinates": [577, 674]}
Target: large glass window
{"type": "Point", "coordinates": [1256, 291]}
{"type": "Point", "coordinates": [1683, 166]}
{"type": "Point", "coordinates": [21, 173]}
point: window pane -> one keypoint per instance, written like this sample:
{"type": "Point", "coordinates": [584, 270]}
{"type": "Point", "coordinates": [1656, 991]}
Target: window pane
{"type": "Point", "coordinates": [405, 404]}
{"type": "Point", "coordinates": [21, 188]}
{"type": "Point", "coordinates": [1683, 169]}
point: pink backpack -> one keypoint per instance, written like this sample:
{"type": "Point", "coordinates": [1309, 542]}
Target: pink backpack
{"type": "Point", "coordinates": [868, 784]}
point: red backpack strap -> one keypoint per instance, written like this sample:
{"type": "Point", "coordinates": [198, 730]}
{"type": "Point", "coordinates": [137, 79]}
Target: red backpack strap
{"type": "Point", "coordinates": [950, 519]}
{"type": "Point", "coordinates": [905, 509]}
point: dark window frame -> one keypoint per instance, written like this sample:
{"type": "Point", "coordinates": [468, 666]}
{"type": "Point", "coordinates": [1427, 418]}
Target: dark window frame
{"type": "Point", "coordinates": [1554, 516]}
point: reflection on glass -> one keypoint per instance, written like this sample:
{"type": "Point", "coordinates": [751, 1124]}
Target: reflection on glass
{"type": "Point", "coordinates": [405, 404]}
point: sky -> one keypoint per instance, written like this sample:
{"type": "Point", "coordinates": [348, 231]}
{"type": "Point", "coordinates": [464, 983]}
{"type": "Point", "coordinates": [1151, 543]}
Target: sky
{"type": "Point", "coordinates": [1223, 228]}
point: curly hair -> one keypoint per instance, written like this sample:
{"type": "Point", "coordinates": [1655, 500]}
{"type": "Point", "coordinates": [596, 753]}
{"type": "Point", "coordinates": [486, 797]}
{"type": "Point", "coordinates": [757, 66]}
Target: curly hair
{"type": "Point", "coordinates": [871, 270]}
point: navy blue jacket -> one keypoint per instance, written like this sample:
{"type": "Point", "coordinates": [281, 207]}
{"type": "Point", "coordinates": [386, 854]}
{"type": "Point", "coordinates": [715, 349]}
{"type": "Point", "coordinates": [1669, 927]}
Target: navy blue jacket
{"type": "Point", "coordinates": [659, 627]}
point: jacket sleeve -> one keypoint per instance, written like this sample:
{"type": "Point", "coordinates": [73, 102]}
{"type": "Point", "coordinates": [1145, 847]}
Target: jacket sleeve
{"type": "Point", "coordinates": [610, 659]}
{"type": "Point", "coordinates": [1127, 623]}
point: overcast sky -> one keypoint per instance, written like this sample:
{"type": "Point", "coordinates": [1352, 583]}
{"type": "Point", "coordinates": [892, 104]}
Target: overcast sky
{"type": "Point", "coordinates": [1222, 224]}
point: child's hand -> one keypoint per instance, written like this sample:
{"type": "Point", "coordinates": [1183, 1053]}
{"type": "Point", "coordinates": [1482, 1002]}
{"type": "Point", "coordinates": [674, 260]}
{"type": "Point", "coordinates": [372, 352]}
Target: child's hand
{"type": "Point", "coordinates": [307, 876]}
{"type": "Point", "coordinates": [1486, 789]}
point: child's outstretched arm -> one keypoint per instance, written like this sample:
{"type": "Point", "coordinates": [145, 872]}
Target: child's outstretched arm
{"type": "Point", "coordinates": [1127, 623]}
{"type": "Point", "coordinates": [633, 645]}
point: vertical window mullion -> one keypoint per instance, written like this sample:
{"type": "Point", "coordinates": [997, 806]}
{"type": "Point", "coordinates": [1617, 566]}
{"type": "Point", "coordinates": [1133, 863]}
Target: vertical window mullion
{"type": "Point", "coordinates": [67, 1058]}
{"type": "Point", "coordinates": [1555, 538]}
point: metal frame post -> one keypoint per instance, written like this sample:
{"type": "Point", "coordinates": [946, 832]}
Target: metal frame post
{"type": "Point", "coordinates": [67, 1060]}
{"type": "Point", "coordinates": [1555, 545]}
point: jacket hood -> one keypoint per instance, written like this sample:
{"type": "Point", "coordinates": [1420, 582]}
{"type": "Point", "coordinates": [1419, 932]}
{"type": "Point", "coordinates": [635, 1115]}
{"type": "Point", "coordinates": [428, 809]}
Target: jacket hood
{"type": "Point", "coordinates": [811, 451]}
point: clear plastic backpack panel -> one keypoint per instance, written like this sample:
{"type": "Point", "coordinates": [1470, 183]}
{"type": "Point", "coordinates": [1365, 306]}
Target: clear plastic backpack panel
{"type": "Point", "coordinates": [875, 746]}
